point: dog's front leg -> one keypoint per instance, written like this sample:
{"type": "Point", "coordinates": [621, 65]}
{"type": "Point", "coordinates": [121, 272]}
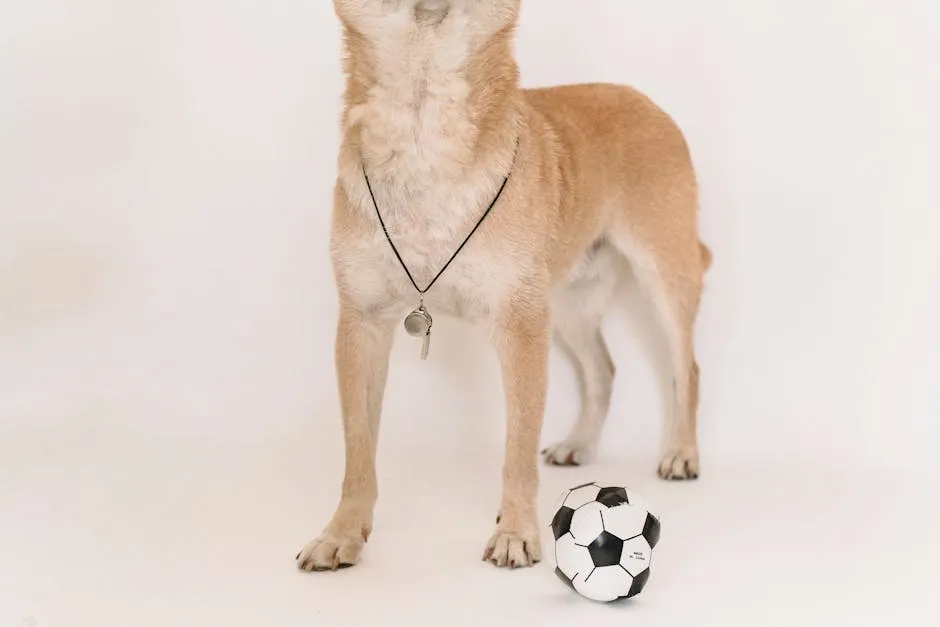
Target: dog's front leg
{"type": "Point", "coordinates": [363, 345]}
{"type": "Point", "coordinates": [523, 337]}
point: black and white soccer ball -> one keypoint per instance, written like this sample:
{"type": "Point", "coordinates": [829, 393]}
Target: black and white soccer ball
{"type": "Point", "coordinates": [604, 541]}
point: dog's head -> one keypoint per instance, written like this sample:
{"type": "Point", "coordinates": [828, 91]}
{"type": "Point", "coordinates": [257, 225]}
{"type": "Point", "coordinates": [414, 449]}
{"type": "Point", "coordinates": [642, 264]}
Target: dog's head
{"type": "Point", "coordinates": [373, 16]}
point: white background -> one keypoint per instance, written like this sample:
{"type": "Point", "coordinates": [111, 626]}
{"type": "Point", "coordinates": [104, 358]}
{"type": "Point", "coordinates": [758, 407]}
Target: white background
{"type": "Point", "coordinates": [167, 310]}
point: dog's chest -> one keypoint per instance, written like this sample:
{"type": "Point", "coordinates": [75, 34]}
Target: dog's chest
{"type": "Point", "coordinates": [426, 229]}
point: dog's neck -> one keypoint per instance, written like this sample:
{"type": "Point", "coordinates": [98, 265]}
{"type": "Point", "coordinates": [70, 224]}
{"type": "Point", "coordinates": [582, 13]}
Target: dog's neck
{"type": "Point", "coordinates": [428, 100]}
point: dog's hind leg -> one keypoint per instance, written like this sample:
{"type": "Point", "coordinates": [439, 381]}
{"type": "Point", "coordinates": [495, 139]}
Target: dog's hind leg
{"type": "Point", "coordinates": [669, 265]}
{"type": "Point", "coordinates": [577, 313]}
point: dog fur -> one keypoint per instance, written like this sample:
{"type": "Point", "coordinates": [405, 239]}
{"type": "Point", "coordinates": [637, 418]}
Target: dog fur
{"type": "Point", "coordinates": [599, 178]}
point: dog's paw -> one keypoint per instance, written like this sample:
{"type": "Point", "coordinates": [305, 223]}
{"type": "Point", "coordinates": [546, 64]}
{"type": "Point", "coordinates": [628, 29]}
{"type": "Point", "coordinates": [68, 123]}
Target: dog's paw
{"type": "Point", "coordinates": [514, 548]}
{"type": "Point", "coordinates": [340, 546]}
{"type": "Point", "coordinates": [679, 465]}
{"type": "Point", "coordinates": [568, 453]}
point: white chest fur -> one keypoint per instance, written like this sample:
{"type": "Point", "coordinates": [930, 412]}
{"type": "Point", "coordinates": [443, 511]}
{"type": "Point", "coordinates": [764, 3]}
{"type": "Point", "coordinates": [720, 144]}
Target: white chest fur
{"type": "Point", "coordinates": [417, 140]}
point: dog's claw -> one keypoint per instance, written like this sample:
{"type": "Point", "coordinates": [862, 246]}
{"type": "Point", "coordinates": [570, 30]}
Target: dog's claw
{"type": "Point", "coordinates": [568, 454]}
{"type": "Point", "coordinates": [679, 466]}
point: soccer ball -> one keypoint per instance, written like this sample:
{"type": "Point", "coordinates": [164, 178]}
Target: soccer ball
{"type": "Point", "coordinates": [604, 540]}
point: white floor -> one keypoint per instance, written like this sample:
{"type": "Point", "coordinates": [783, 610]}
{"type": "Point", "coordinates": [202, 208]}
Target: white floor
{"type": "Point", "coordinates": [101, 529]}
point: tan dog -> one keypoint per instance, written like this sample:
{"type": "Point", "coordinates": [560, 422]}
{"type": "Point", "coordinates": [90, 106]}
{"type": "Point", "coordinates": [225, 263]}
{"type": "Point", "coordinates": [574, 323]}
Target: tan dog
{"type": "Point", "coordinates": [597, 176]}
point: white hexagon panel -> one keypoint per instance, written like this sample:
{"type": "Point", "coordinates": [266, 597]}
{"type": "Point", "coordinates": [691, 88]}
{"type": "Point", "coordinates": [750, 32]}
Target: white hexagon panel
{"type": "Point", "coordinates": [625, 521]}
{"type": "Point", "coordinates": [572, 560]}
{"type": "Point", "coordinates": [636, 554]}
{"type": "Point", "coordinates": [588, 522]}
{"type": "Point", "coordinates": [605, 584]}
{"type": "Point", "coordinates": [581, 495]}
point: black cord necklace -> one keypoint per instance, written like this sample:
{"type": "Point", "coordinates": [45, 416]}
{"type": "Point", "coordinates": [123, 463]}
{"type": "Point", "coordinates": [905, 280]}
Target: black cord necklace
{"type": "Point", "coordinates": [418, 322]}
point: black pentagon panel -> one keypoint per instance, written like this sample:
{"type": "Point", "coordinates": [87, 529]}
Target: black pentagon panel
{"type": "Point", "coordinates": [612, 497]}
{"type": "Point", "coordinates": [639, 582]}
{"type": "Point", "coordinates": [651, 530]}
{"type": "Point", "coordinates": [561, 523]}
{"type": "Point", "coordinates": [606, 550]}
{"type": "Point", "coordinates": [564, 578]}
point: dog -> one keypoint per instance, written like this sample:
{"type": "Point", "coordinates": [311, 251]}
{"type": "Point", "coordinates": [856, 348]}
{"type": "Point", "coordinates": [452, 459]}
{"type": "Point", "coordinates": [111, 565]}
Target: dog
{"type": "Point", "coordinates": [583, 181]}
